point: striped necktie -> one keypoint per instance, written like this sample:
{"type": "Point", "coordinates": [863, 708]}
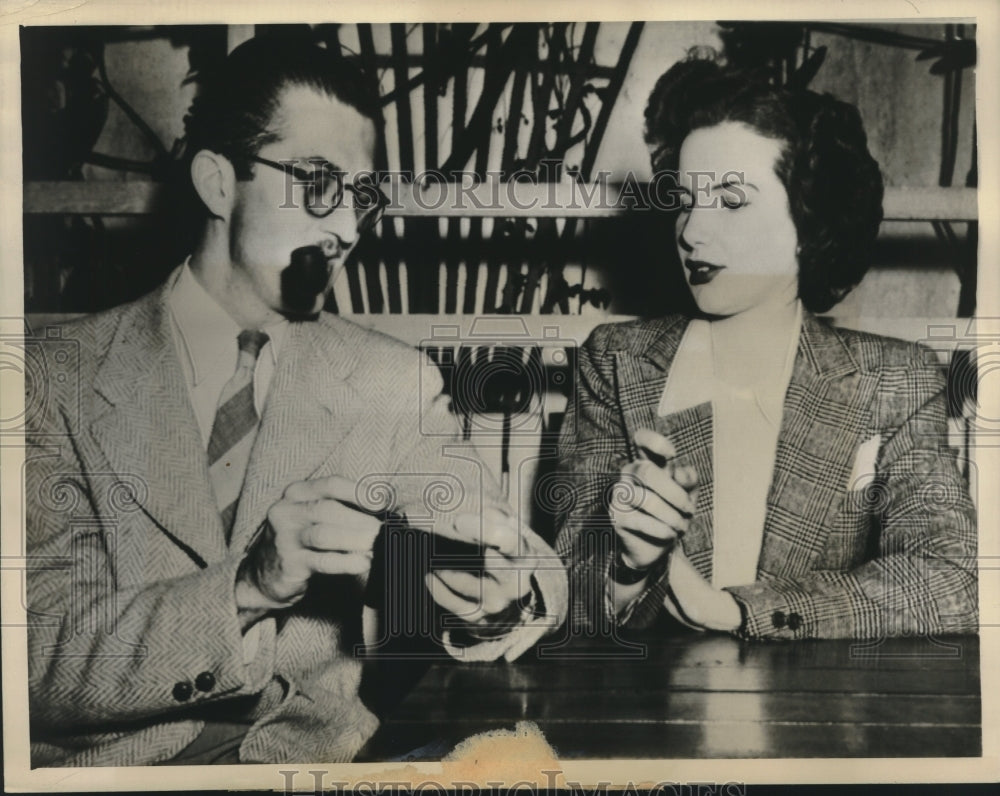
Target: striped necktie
{"type": "Point", "coordinates": [233, 430]}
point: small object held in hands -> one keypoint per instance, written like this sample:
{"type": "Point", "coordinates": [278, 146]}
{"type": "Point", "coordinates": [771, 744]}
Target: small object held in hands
{"type": "Point", "coordinates": [447, 553]}
{"type": "Point", "coordinates": [432, 552]}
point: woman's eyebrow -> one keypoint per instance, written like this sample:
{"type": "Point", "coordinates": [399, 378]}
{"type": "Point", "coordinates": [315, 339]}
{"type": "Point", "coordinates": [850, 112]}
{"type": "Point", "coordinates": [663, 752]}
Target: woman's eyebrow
{"type": "Point", "coordinates": [736, 179]}
{"type": "Point", "coordinates": [727, 182]}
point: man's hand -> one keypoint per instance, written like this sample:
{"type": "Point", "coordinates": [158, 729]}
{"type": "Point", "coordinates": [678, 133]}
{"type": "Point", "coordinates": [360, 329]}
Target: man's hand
{"type": "Point", "coordinates": [485, 598]}
{"type": "Point", "coordinates": [315, 527]}
{"type": "Point", "coordinates": [693, 601]}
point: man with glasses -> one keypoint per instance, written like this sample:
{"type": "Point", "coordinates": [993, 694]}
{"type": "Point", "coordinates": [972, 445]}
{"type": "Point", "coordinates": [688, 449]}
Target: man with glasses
{"type": "Point", "coordinates": [236, 454]}
{"type": "Point", "coordinates": [324, 186]}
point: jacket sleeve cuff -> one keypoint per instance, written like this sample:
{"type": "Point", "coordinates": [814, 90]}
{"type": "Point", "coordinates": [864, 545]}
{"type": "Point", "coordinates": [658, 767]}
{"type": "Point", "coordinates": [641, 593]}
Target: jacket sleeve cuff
{"type": "Point", "coordinates": [216, 643]}
{"type": "Point", "coordinates": [786, 612]}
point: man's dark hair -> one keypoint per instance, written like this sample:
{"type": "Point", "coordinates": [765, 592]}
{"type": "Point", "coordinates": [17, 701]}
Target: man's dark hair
{"type": "Point", "coordinates": [233, 113]}
{"type": "Point", "coordinates": [833, 183]}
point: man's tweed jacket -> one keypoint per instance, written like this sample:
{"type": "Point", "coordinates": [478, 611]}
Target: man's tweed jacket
{"type": "Point", "coordinates": [138, 594]}
{"type": "Point", "coordinates": [887, 549]}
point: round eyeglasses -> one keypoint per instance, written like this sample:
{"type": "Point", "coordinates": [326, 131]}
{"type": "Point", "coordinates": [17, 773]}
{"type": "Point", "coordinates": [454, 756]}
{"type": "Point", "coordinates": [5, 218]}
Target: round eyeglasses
{"type": "Point", "coordinates": [324, 191]}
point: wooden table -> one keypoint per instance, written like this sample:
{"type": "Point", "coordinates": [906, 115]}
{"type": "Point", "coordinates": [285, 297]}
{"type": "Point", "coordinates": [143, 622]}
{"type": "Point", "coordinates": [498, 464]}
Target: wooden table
{"type": "Point", "coordinates": [689, 695]}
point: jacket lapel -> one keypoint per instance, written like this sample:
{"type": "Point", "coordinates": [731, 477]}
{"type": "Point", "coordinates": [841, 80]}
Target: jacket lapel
{"type": "Point", "coordinates": [642, 377]}
{"type": "Point", "coordinates": [310, 408]}
{"type": "Point", "coordinates": [826, 412]}
{"type": "Point", "coordinates": [148, 428]}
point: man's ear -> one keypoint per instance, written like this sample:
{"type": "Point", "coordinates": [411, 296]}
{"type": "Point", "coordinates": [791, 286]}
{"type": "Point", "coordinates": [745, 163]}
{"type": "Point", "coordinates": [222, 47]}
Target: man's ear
{"type": "Point", "coordinates": [214, 179]}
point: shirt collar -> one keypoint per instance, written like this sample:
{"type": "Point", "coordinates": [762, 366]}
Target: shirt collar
{"type": "Point", "coordinates": [692, 377]}
{"type": "Point", "coordinates": [207, 333]}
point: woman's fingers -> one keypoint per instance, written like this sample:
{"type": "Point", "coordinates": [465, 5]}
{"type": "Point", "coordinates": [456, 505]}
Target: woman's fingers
{"type": "Point", "coordinates": [657, 444]}
{"type": "Point", "coordinates": [647, 477]}
{"type": "Point", "coordinates": [659, 471]}
{"type": "Point", "coordinates": [686, 476]}
{"type": "Point", "coordinates": [652, 504]}
{"type": "Point", "coordinates": [656, 529]}
{"type": "Point", "coordinates": [639, 498]}
{"type": "Point", "coordinates": [639, 552]}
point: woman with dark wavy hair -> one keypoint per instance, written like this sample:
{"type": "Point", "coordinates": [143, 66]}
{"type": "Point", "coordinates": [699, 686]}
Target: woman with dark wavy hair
{"type": "Point", "coordinates": [752, 469]}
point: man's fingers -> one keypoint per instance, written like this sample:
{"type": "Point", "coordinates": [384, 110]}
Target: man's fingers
{"type": "Point", "coordinates": [358, 536]}
{"type": "Point", "coordinates": [340, 563]}
{"type": "Point", "coordinates": [491, 528]}
{"type": "Point", "coordinates": [464, 584]}
{"type": "Point", "coordinates": [334, 487]}
{"type": "Point", "coordinates": [511, 576]}
{"type": "Point", "coordinates": [485, 594]}
{"type": "Point", "coordinates": [454, 603]}
{"type": "Point", "coordinates": [334, 511]}
{"type": "Point", "coordinates": [316, 528]}
{"type": "Point", "coordinates": [301, 492]}
{"type": "Point", "coordinates": [497, 563]}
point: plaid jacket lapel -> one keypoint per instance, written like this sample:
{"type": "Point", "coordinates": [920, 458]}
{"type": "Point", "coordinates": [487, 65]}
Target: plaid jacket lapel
{"type": "Point", "coordinates": [826, 413]}
{"type": "Point", "coordinates": [825, 417]}
{"type": "Point", "coordinates": [642, 377]}
{"type": "Point", "coordinates": [148, 428]}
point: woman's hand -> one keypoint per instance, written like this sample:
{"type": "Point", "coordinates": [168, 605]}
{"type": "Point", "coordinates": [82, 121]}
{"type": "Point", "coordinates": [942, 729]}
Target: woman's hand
{"type": "Point", "coordinates": [658, 500]}
{"type": "Point", "coordinates": [653, 502]}
{"type": "Point", "coordinates": [693, 601]}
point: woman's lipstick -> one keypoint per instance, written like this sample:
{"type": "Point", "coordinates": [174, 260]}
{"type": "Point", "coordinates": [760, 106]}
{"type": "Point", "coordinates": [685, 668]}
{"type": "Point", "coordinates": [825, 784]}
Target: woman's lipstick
{"type": "Point", "coordinates": [700, 272]}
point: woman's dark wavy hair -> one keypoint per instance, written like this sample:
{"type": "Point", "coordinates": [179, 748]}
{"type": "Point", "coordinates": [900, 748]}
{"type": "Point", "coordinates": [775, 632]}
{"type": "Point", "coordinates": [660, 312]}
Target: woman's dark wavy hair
{"type": "Point", "coordinates": [833, 183]}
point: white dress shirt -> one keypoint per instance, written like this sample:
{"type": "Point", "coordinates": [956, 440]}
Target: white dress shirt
{"type": "Point", "coordinates": [205, 338]}
{"type": "Point", "coordinates": [746, 420]}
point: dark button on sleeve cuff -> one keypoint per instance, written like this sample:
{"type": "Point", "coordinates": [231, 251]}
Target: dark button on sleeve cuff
{"type": "Point", "coordinates": [182, 691]}
{"type": "Point", "coordinates": [778, 619]}
{"type": "Point", "coordinates": [794, 621]}
{"type": "Point", "coordinates": [205, 681]}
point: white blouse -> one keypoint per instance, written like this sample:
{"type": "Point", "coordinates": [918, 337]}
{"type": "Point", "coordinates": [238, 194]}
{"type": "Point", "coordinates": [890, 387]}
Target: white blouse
{"type": "Point", "coordinates": [746, 419]}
